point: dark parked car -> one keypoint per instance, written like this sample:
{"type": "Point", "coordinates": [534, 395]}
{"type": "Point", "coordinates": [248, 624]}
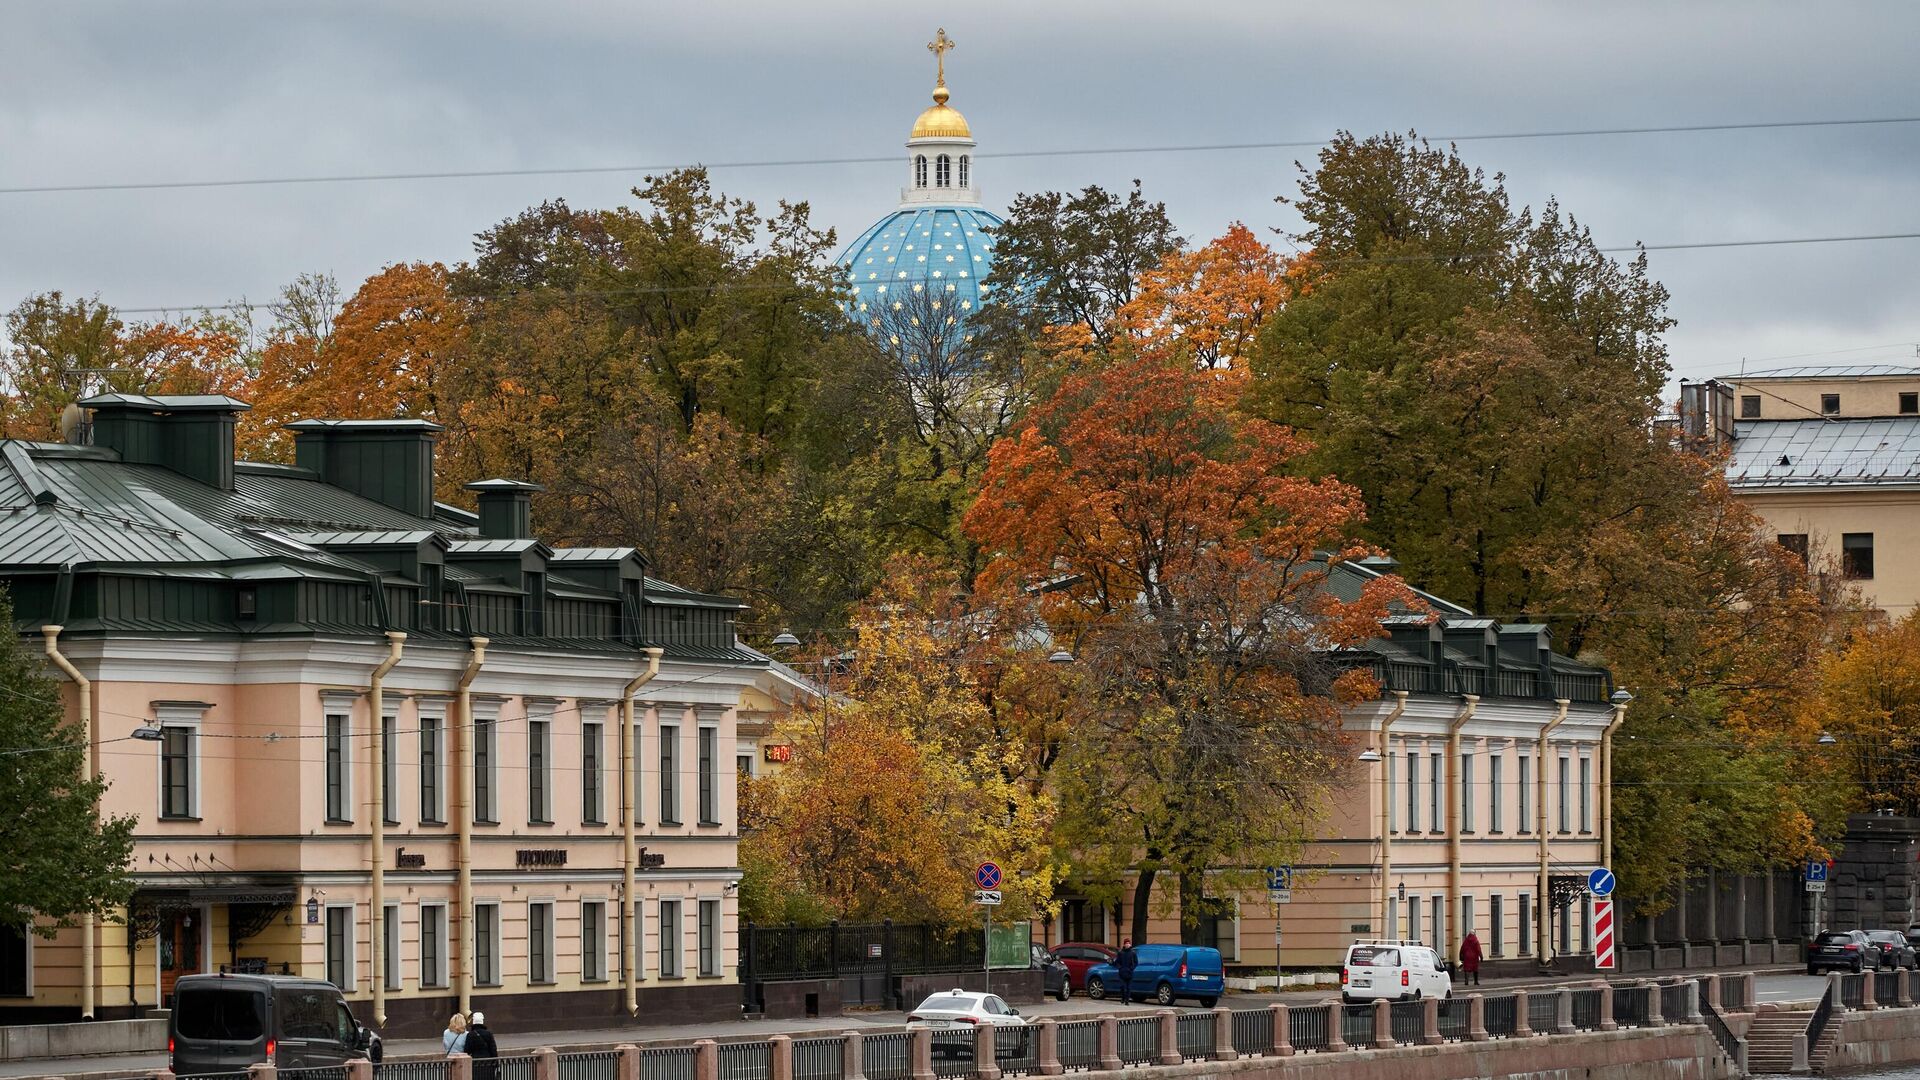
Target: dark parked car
{"type": "Point", "coordinates": [1842, 950]}
{"type": "Point", "coordinates": [1081, 956]}
{"type": "Point", "coordinates": [224, 1023]}
{"type": "Point", "coordinates": [1054, 980]}
{"type": "Point", "coordinates": [1895, 950]}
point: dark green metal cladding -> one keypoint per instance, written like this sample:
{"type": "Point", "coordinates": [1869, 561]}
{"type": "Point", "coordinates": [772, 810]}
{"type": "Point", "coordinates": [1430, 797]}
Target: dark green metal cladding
{"type": "Point", "coordinates": [387, 461]}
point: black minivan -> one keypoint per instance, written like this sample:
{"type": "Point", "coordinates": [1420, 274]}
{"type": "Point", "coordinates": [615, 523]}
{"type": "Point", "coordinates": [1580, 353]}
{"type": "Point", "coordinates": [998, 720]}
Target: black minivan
{"type": "Point", "coordinates": [224, 1023]}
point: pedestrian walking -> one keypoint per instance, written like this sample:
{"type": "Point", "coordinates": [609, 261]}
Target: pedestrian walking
{"type": "Point", "coordinates": [1470, 959]}
{"type": "Point", "coordinates": [482, 1049]}
{"type": "Point", "coordinates": [1124, 964]}
{"type": "Point", "coordinates": [454, 1039]}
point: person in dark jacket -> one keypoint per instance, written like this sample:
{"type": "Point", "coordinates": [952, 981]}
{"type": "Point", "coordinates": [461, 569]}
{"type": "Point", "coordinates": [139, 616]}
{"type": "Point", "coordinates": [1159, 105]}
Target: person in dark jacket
{"type": "Point", "coordinates": [1124, 963]}
{"type": "Point", "coordinates": [482, 1049]}
{"type": "Point", "coordinates": [1470, 959]}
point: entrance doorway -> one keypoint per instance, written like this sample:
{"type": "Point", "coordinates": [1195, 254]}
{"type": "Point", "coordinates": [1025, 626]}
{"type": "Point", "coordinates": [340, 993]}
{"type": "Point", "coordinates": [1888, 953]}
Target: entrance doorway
{"type": "Point", "coordinates": [181, 932]}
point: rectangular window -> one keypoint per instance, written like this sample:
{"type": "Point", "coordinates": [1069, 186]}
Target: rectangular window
{"type": "Point", "coordinates": [337, 765]}
{"type": "Point", "coordinates": [1436, 821]}
{"type": "Point", "coordinates": [1909, 403]}
{"type": "Point", "coordinates": [1526, 794]}
{"type": "Point", "coordinates": [633, 783]}
{"type": "Point", "coordinates": [1856, 555]}
{"type": "Point", "coordinates": [1830, 404]}
{"type": "Point", "coordinates": [16, 962]}
{"type": "Point", "coordinates": [431, 811]}
{"type": "Point", "coordinates": [390, 769]}
{"type": "Point", "coordinates": [1586, 925]}
{"type": "Point", "coordinates": [1438, 929]}
{"type": "Point", "coordinates": [1586, 795]}
{"type": "Point", "coordinates": [593, 940]}
{"type": "Point", "coordinates": [1466, 916]}
{"type": "Point", "coordinates": [340, 948]}
{"type": "Point", "coordinates": [669, 774]}
{"type": "Point", "coordinates": [390, 946]}
{"type": "Point", "coordinates": [539, 941]}
{"type": "Point", "coordinates": [669, 939]}
{"type": "Point", "coordinates": [433, 945]}
{"type": "Point", "coordinates": [539, 782]}
{"type": "Point", "coordinates": [1391, 798]}
{"type": "Point", "coordinates": [709, 937]}
{"type": "Point", "coordinates": [591, 810]}
{"type": "Point", "coordinates": [1497, 923]}
{"type": "Point", "coordinates": [1392, 929]}
{"type": "Point", "coordinates": [1413, 920]}
{"type": "Point", "coordinates": [1413, 791]}
{"type": "Point", "coordinates": [1526, 925]}
{"type": "Point", "coordinates": [1496, 765]}
{"type": "Point", "coordinates": [1566, 794]}
{"type": "Point", "coordinates": [709, 755]}
{"type": "Point", "coordinates": [179, 754]}
{"type": "Point", "coordinates": [1466, 792]}
{"type": "Point", "coordinates": [1749, 406]}
{"type": "Point", "coordinates": [485, 770]}
{"type": "Point", "coordinates": [1565, 918]}
{"type": "Point", "coordinates": [1795, 543]}
{"type": "Point", "coordinates": [486, 944]}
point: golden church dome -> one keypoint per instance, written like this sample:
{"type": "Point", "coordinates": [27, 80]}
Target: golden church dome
{"type": "Point", "coordinates": [941, 121]}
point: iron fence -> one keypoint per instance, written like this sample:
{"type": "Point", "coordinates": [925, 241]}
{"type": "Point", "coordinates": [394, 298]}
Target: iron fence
{"type": "Point", "coordinates": [951, 1046]}
{"type": "Point", "coordinates": [817, 1059]}
{"type": "Point", "coordinates": [593, 1065]}
{"type": "Point", "coordinates": [1586, 1009]}
{"type": "Point", "coordinates": [1079, 1044]}
{"type": "Point", "coordinates": [1253, 1032]}
{"type": "Point", "coordinates": [1543, 1011]}
{"type": "Point", "coordinates": [1674, 1001]}
{"type": "Point", "coordinates": [1630, 1005]}
{"type": "Point", "coordinates": [1193, 1033]}
{"type": "Point", "coordinates": [1016, 1050]}
{"type": "Point", "coordinates": [955, 1066]}
{"type": "Point", "coordinates": [666, 1063]}
{"type": "Point", "coordinates": [1886, 986]}
{"type": "Point", "coordinates": [1455, 1020]}
{"type": "Point", "coordinates": [1501, 1014]}
{"type": "Point", "coordinates": [745, 1060]}
{"type": "Point", "coordinates": [887, 1056]}
{"type": "Point", "coordinates": [1729, 1043]}
{"type": "Point", "coordinates": [1307, 1029]}
{"type": "Point", "coordinates": [1356, 1025]}
{"type": "Point", "coordinates": [1409, 1022]}
{"type": "Point", "coordinates": [1853, 991]}
{"type": "Point", "coordinates": [1733, 992]}
{"type": "Point", "coordinates": [1139, 1040]}
{"type": "Point", "coordinates": [329, 1072]}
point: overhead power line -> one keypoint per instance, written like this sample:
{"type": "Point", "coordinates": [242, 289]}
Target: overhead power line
{"type": "Point", "coordinates": [789, 163]}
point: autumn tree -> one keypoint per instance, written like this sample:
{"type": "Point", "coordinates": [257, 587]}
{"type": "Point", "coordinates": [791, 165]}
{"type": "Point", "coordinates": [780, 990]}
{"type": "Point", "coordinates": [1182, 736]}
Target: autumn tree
{"type": "Point", "coordinates": [1176, 553]}
{"type": "Point", "coordinates": [1207, 306]}
{"type": "Point", "coordinates": [1869, 701]}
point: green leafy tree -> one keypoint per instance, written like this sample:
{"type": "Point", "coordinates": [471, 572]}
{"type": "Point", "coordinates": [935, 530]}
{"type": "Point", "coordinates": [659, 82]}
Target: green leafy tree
{"type": "Point", "coordinates": [60, 861]}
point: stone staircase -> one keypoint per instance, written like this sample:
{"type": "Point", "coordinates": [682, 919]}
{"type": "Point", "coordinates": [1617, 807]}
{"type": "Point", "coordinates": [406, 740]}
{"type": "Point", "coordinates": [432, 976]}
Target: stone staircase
{"type": "Point", "coordinates": [1770, 1041]}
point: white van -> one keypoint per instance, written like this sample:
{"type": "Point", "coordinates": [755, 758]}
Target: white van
{"type": "Point", "coordinates": [1397, 970]}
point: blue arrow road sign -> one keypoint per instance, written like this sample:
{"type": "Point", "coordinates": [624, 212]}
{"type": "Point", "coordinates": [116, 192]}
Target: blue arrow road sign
{"type": "Point", "coordinates": [1279, 878]}
{"type": "Point", "coordinates": [1600, 882]}
{"type": "Point", "coordinates": [1816, 871]}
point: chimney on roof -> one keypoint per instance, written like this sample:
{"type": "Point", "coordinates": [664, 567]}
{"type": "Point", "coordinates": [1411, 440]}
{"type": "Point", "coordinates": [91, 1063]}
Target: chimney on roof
{"type": "Point", "coordinates": [387, 461]}
{"type": "Point", "coordinates": [506, 508]}
{"type": "Point", "coordinates": [191, 434]}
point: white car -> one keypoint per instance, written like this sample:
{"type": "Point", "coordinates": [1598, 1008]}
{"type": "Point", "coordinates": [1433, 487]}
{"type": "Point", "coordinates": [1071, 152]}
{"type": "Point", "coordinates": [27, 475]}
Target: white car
{"type": "Point", "coordinates": [1396, 970]}
{"type": "Point", "coordinates": [955, 1015]}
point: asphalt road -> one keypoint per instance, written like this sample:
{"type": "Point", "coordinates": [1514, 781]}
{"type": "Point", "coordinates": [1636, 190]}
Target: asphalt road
{"type": "Point", "coordinates": [1766, 988]}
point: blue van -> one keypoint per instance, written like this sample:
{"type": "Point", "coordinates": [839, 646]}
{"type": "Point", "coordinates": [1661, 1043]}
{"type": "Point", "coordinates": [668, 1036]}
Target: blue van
{"type": "Point", "coordinates": [1164, 974]}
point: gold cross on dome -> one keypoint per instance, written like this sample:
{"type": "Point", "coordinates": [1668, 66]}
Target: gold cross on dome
{"type": "Point", "coordinates": [938, 47]}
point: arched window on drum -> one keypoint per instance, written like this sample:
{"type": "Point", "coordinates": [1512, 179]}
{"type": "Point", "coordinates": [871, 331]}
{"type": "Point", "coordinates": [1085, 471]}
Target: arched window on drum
{"type": "Point", "coordinates": [943, 171]}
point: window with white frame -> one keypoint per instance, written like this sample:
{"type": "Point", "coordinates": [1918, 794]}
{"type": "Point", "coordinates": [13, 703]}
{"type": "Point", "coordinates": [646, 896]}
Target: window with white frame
{"type": "Point", "coordinates": [1413, 919]}
{"type": "Point", "coordinates": [339, 767]}
{"type": "Point", "coordinates": [1497, 923]}
{"type": "Point", "coordinates": [943, 171]}
{"type": "Point", "coordinates": [1565, 918]}
{"type": "Point", "coordinates": [390, 769]}
{"type": "Point", "coordinates": [339, 949]}
{"type": "Point", "coordinates": [390, 944]}
{"type": "Point", "coordinates": [433, 944]}
{"type": "Point", "coordinates": [669, 939]}
{"type": "Point", "coordinates": [539, 769]}
{"type": "Point", "coordinates": [1438, 929]}
{"type": "Point", "coordinates": [179, 760]}
{"type": "Point", "coordinates": [1466, 916]}
{"type": "Point", "coordinates": [633, 784]}
{"type": "Point", "coordinates": [1586, 794]}
{"type": "Point", "coordinates": [1390, 792]}
{"type": "Point", "coordinates": [1413, 791]}
{"type": "Point", "coordinates": [1566, 794]}
{"type": "Point", "coordinates": [920, 170]}
{"type": "Point", "coordinates": [1392, 927]}
{"type": "Point", "coordinates": [486, 770]}
{"type": "Point", "coordinates": [966, 170]}
{"type": "Point", "coordinates": [1466, 792]}
{"type": "Point", "coordinates": [486, 943]}
{"type": "Point", "coordinates": [1496, 791]}
{"type": "Point", "coordinates": [1525, 802]}
{"type": "Point", "coordinates": [433, 764]}
{"type": "Point", "coordinates": [540, 941]}
{"type": "Point", "coordinates": [592, 808]}
{"type": "Point", "coordinates": [593, 941]}
{"type": "Point", "coordinates": [1586, 924]}
{"type": "Point", "coordinates": [707, 752]}
{"type": "Point", "coordinates": [1526, 925]}
{"type": "Point", "coordinates": [1436, 816]}
{"type": "Point", "coordinates": [709, 938]}
{"type": "Point", "coordinates": [669, 774]}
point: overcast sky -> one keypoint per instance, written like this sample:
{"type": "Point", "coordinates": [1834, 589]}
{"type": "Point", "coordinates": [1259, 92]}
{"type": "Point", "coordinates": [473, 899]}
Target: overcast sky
{"type": "Point", "coordinates": [104, 92]}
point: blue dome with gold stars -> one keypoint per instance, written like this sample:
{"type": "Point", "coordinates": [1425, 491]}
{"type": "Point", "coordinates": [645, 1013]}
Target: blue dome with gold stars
{"type": "Point", "coordinates": [943, 250]}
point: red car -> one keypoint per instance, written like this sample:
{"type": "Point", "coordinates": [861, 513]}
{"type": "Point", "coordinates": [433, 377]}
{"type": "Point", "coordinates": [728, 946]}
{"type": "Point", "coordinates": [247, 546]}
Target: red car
{"type": "Point", "coordinates": [1080, 956]}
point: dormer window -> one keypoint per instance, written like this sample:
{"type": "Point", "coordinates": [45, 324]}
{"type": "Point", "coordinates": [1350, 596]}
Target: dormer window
{"type": "Point", "coordinates": [943, 171]}
{"type": "Point", "coordinates": [920, 171]}
{"type": "Point", "coordinates": [965, 162]}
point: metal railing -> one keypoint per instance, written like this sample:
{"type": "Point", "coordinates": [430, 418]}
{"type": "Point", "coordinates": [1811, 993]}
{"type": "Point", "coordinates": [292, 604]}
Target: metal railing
{"type": "Point", "coordinates": [953, 1053]}
{"type": "Point", "coordinates": [1543, 1011]}
{"type": "Point", "coordinates": [1139, 1040]}
{"type": "Point", "coordinates": [516, 1067]}
{"type": "Point", "coordinates": [818, 1059]}
{"type": "Point", "coordinates": [430, 1069]}
{"type": "Point", "coordinates": [667, 1063]}
{"type": "Point", "coordinates": [1455, 1020]}
{"type": "Point", "coordinates": [1717, 1024]}
{"type": "Point", "coordinates": [745, 1060]}
{"type": "Point", "coordinates": [1733, 992]}
{"type": "Point", "coordinates": [592, 1065]}
{"type": "Point", "coordinates": [1409, 1022]}
{"type": "Point", "coordinates": [1016, 1050]}
{"type": "Point", "coordinates": [1356, 1025]}
{"type": "Point", "coordinates": [1193, 1033]}
{"type": "Point", "coordinates": [1253, 1032]}
{"type": "Point", "coordinates": [1631, 1005]}
{"type": "Point", "coordinates": [1886, 986]}
{"type": "Point", "coordinates": [1586, 1009]}
{"type": "Point", "coordinates": [1501, 1016]}
{"type": "Point", "coordinates": [1079, 1044]}
{"type": "Point", "coordinates": [1673, 1001]}
{"type": "Point", "coordinates": [1817, 1023]}
{"type": "Point", "coordinates": [886, 1056]}
{"type": "Point", "coordinates": [1307, 1029]}
{"type": "Point", "coordinates": [324, 1072]}
{"type": "Point", "coordinates": [1853, 990]}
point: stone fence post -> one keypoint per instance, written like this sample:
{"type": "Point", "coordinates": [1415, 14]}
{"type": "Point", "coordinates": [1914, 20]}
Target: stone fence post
{"type": "Point", "coordinates": [1169, 1037]}
{"type": "Point", "coordinates": [920, 1053]}
{"type": "Point", "coordinates": [986, 1053]}
{"type": "Point", "coordinates": [1835, 990]}
{"type": "Point", "coordinates": [1867, 987]}
{"type": "Point", "coordinates": [1711, 985]}
{"type": "Point", "coordinates": [1476, 1018]}
{"type": "Point", "coordinates": [1522, 1021]}
{"type": "Point", "coordinates": [546, 1065]}
{"type": "Point", "coordinates": [706, 1060]}
{"type": "Point", "coordinates": [779, 1058]}
{"type": "Point", "coordinates": [460, 1067]}
{"type": "Point", "coordinates": [1382, 1022]}
{"type": "Point", "coordinates": [266, 1071]}
{"type": "Point", "coordinates": [1653, 1003]}
{"type": "Point", "coordinates": [1109, 1044]}
{"type": "Point", "coordinates": [1223, 1049]}
{"type": "Point", "coordinates": [362, 1069]}
{"type": "Point", "coordinates": [1047, 1062]}
{"type": "Point", "coordinates": [1336, 1026]}
{"type": "Point", "coordinates": [1606, 1005]}
{"type": "Point", "coordinates": [1563, 1016]}
{"type": "Point", "coordinates": [1282, 1031]}
{"type": "Point", "coordinates": [1430, 1028]}
{"type": "Point", "coordinates": [853, 1057]}
{"type": "Point", "coordinates": [627, 1062]}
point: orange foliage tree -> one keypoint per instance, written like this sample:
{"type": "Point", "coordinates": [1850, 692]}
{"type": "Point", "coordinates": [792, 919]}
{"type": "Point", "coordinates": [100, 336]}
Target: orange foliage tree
{"type": "Point", "coordinates": [1210, 303]}
{"type": "Point", "coordinates": [1168, 541]}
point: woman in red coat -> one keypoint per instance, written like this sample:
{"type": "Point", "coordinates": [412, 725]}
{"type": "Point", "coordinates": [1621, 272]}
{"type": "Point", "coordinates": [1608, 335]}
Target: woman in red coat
{"type": "Point", "coordinates": [1470, 959]}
